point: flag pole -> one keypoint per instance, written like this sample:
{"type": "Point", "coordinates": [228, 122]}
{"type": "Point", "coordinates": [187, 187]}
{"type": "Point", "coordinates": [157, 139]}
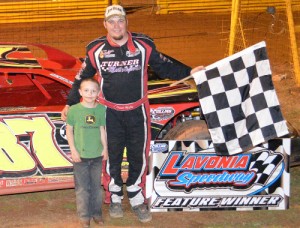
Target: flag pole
{"type": "Point", "coordinates": [182, 80]}
{"type": "Point", "coordinates": [193, 71]}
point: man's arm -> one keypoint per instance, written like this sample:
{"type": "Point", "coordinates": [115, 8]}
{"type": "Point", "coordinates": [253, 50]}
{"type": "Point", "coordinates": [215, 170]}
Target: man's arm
{"type": "Point", "coordinates": [87, 71]}
{"type": "Point", "coordinates": [167, 67]}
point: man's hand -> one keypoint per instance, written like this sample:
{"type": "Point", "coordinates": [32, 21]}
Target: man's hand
{"type": "Point", "coordinates": [64, 113]}
{"type": "Point", "coordinates": [196, 69]}
{"type": "Point", "coordinates": [105, 154]}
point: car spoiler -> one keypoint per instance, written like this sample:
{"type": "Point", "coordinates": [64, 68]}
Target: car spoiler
{"type": "Point", "coordinates": [20, 55]}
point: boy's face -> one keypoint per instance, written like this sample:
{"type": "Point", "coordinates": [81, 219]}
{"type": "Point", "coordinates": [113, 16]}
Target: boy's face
{"type": "Point", "coordinates": [89, 91]}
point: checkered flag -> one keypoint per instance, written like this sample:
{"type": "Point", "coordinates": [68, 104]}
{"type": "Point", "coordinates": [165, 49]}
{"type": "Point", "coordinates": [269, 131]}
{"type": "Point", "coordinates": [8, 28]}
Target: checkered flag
{"type": "Point", "coordinates": [239, 102]}
{"type": "Point", "coordinates": [263, 164]}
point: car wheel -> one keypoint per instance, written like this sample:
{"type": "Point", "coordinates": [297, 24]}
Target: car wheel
{"type": "Point", "coordinates": [189, 130]}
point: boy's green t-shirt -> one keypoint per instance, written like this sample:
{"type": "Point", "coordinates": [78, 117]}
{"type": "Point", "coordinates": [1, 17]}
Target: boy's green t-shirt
{"type": "Point", "coordinates": [86, 124]}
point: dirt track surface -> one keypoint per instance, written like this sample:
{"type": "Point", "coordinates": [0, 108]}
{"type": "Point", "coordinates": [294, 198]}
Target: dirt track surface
{"type": "Point", "coordinates": [194, 39]}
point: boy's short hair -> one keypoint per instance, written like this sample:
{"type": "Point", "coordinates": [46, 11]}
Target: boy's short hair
{"type": "Point", "coordinates": [90, 80]}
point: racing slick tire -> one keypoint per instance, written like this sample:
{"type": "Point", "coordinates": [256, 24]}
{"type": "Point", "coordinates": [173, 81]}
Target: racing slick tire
{"type": "Point", "coordinates": [189, 130]}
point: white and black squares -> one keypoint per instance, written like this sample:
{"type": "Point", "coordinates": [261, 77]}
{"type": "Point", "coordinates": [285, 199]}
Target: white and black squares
{"type": "Point", "coordinates": [239, 102]}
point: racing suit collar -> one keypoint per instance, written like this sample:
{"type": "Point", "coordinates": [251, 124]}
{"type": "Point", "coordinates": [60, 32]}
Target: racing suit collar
{"type": "Point", "coordinates": [130, 44]}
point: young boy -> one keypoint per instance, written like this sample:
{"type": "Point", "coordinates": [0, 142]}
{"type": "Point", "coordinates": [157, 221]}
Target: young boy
{"type": "Point", "coordinates": [86, 136]}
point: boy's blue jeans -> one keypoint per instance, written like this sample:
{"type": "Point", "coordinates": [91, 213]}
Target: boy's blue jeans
{"type": "Point", "coordinates": [87, 177]}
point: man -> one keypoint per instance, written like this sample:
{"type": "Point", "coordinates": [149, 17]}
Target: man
{"type": "Point", "coordinates": [121, 59]}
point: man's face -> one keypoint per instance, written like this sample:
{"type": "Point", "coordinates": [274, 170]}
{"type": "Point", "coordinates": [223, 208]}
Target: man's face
{"type": "Point", "coordinates": [116, 27]}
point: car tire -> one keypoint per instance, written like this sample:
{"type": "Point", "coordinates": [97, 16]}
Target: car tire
{"type": "Point", "coordinates": [189, 130]}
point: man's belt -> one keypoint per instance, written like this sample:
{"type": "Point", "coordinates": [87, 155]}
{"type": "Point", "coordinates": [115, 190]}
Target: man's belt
{"type": "Point", "coordinates": [123, 107]}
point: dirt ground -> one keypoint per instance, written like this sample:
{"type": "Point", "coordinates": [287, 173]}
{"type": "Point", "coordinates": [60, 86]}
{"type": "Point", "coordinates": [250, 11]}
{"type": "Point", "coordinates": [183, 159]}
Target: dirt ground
{"type": "Point", "coordinates": [56, 209]}
{"type": "Point", "coordinates": [194, 39]}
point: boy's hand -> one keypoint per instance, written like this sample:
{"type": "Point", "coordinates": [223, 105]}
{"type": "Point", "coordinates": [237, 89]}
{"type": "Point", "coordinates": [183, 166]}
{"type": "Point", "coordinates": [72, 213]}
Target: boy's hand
{"type": "Point", "coordinates": [75, 156]}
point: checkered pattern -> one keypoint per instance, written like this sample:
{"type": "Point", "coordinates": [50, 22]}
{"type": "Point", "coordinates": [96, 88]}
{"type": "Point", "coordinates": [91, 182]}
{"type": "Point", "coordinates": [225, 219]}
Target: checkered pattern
{"type": "Point", "coordinates": [263, 163]}
{"type": "Point", "coordinates": [239, 102]}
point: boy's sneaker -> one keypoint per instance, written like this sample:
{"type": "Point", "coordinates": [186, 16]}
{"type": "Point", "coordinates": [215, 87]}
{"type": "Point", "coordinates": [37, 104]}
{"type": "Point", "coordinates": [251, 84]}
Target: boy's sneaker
{"type": "Point", "coordinates": [115, 210]}
{"type": "Point", "coordinates": [85, 223]}
{"type": "Point", "coordinates": [98, 220]}
{"type": "Point", "coordinates": [142, 213]}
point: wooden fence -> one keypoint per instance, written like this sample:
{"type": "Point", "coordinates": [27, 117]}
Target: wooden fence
{"type": "Point", "coordinates": [57, 10]}
{"type": "Point", "coordinates": [51, 10]}
{"type": "Point", "coordinates": [218, 6]}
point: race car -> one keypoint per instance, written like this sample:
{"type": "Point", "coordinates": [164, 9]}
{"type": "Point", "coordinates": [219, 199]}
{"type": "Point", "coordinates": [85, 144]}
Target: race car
{"type": "Point", "coordinates": [35, 80]}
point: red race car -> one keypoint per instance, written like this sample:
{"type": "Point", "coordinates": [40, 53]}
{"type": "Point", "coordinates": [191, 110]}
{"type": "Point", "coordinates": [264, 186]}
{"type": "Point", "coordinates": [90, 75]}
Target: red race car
{"type": "Point", "coordinates": [34, 83]}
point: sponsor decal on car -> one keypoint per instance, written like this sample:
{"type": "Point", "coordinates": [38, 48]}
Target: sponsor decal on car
{"type": "Point", "coordinates": [35, 152]}
{"type": "Point", "coordinates": [32, 148]}
{"type": "Point", "coordinates": [159, 147]}
{"type": "Point", "coordinates": [17, 56]}
{"type": "Point", "coordinates": [61, 78]}
{"type": "Point", "coordinates": [161, 113]}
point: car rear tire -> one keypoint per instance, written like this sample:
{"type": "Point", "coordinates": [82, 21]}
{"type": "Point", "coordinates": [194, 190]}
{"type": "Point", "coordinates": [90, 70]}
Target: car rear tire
{"type": "Point", "coordinates": [189, 130]}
